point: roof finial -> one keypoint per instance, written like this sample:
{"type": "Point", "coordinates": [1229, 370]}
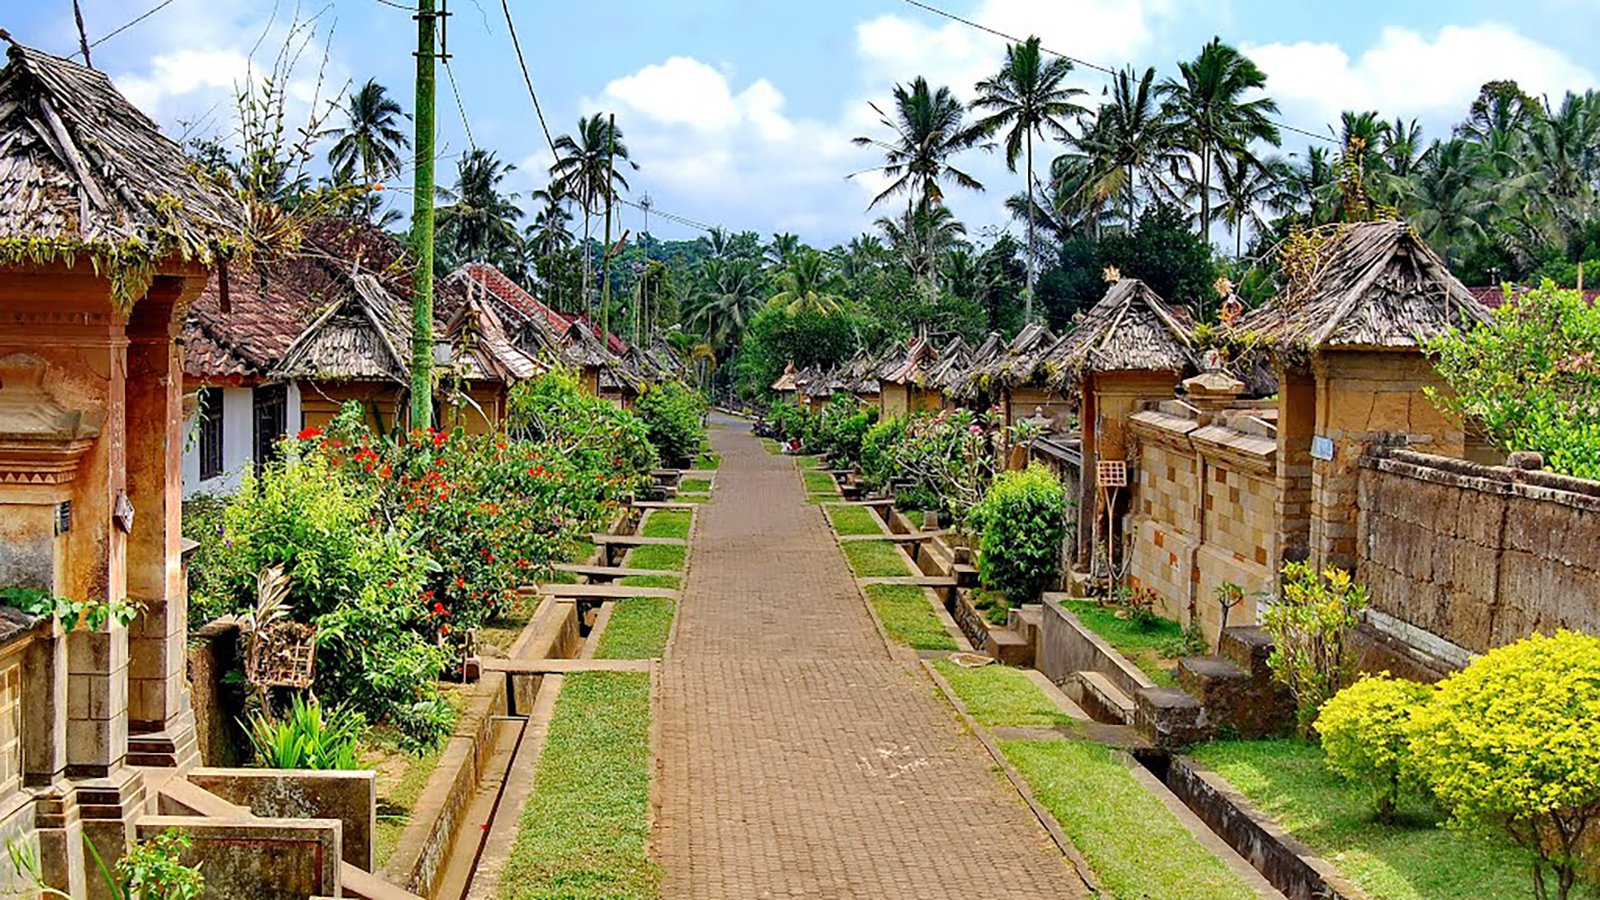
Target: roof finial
{"type": "Point", "coordinates": [1111, 274]}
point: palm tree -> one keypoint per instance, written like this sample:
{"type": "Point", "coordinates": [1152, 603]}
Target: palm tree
{"type": "Point", "coordinates": [728, 297]}
{"type": "Point", "coordinates": [806, 284]}
{"type": "Point", "coordinates": [1214, 118]}
{"type": "Point", "coordinates": [586, 169]}
{"type": "Point", "coordinates": [1131, 135]}
{"type": "Point", "coordinates": [480, 222]}
{"type": "Point", "coordinates": [1028, 96]}
{"type": "Point", "coordinates": [549, 232]}
{"type": "Point", "coordinates": [1248, 187]}
{"type": "Point", "coordinates": [920, 237]}
{"type": "Point", "coordinates": [714, 243]}
{"type": "Point", "coordinates": [371, 140]}
{"type": "Point", "coordinates": [782, 250]}
{"type": "Point", "coordinates": [928, 127]}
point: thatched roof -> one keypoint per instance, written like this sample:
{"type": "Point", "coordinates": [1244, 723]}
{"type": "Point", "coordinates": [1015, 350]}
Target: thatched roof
{"type": "Point", "coordinates": [1129, 329]}
{"type": "Point", "coordinates": [860, 374]}
{"type": "Point", "coordinates": [899, 367]}
{"type": "Point", "coordinates": [786, 382]}
{"type": "Point", "coordinates": [952, 360]}
{"type": "Point", "coordinates": [484, 350]}
{"type": "Point", "coordinates": [83, 172]}
{"type": "Point", "coordinates": [271, 305]}
{"type": "Point", "coordinates": [1376, 286]}
{"type": "Point", "coordinates": [1019, 363]}
{"type": "Point", "coordinates": [963, 381]}
{"type": "Point", "coordinates": [364, 336]}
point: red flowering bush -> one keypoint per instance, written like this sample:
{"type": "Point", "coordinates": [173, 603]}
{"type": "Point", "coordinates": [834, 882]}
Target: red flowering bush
{"type": "Point", "coordinates": [492, 513]}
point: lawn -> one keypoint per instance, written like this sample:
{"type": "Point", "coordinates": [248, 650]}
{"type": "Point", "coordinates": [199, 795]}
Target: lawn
{"type": "Point", "coordinates": [650, 581]}
{"type": "Point", "coordinates": [1136, 846]}
{"type": "Point", "coordinates": [1154, 649]}
{"type": "Point", "coordinates": [820, 483]}
{"type": "Point", "coordinates": [663, 557]}
{"type": "Point", "coordinates": [694, 485]}
{"type": "Point", "coordinates": [999, 695]}
{"type": "Point", "coordinates": [772, 446]}
{"type": "Point", "coordinates": [908, 615]}
{"type": "Point", "coordinates": [673, 523]}
{"type": "Point", "coordinates": [708, 460]}
{"type": "Point", "coordinates": [854, 520]}
{"type": "Point", "coordinates": [584, 828]}
{"type": "Point", "coordinates": [1412, 859]}
{"type": "Point", "coordinates": [638, 629]}
{"type": "Point", "coordinates": [401, 778]}
{"type": "Point", "coordinates": [875, 559]}
{"type": "Point", "coordinates": [808, 462]}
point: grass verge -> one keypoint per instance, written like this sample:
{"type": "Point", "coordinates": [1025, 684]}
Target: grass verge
{"type": "Point", "coordinates": [907, 614]}
{"type": "Point", "coordinates": [638, 629]}
{"type": "Point", "coordinates": [673, 523]}
{"type": "Point", "coordinates": [583, 831]}
{"type": "Point", "coordinates": [709, 460]}
{"type": "Point", "coordinates": [650, 581]}
{"type": "Point", "coordinates": [772, 446]}
{"type": "Point", "coordinates": [854, 520]}
{"type": "Point", "coordinates": [694, 485]}
{"type": "Point", "coordinates": [1155, 649]}
{"type": "Point", "coordinates": [664, 557]}
{"type": "Point", "coordinates": [1135, 845]}
{"type": "Point", "coordinates": [875, 559]}
{"type": "Point", "coordinates": [808, 462]}
{"type": "Point", "coordinates": [999, 695]}
{"type": "Point", "coordinates": [1412, 859]}
{"type": "Point", "coordinates": [820, 483]}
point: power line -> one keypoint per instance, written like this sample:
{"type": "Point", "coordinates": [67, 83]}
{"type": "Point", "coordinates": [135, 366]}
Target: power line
{"type": "Point", "coordinates": [125, 26]}
{"type": "Point", "coordinates": [528, 79]}
{"type": "Point", "coordinates": [450, 73]}
{"type": "Point", "coordinates": [1083, 62]}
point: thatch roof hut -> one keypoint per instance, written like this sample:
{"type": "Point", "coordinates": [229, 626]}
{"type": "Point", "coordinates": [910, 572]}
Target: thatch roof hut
{"type": "Point", "coordinates": [1376, 286]}
{"type": "Point", "coordinates": [963, 381]}
{"type": "Point", "coordinates": [85, 174]}
{"type": "Point", "coordinates": [484, 350]}
{"type": "Point", "coordinates": [1020, 362]}
{"type": "Point", "coordinates": [364, 335]}
{"type": "Point", "coordinates": [906, 365]}
{"type": "Point", "coordinates": [786, 383]}
{"type": "Point", "coordinates": [953, 358]}
{"type": "Point", "coordinates": [1130, 329]}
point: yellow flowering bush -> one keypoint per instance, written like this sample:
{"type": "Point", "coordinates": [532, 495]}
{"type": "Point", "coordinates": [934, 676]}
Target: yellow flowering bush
{"type": "Point", "coordinates": [1512, 743]}
{"type": "Point", "coordinates": [1366, 734]}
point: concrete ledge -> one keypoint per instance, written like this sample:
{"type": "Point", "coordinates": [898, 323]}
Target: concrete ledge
{"type": "Point", "coordinates": [259, 859]}
{"type": "Point", "coordinates": [1067, 646]}
{"type": "Point", "coordinates": [350, 797]}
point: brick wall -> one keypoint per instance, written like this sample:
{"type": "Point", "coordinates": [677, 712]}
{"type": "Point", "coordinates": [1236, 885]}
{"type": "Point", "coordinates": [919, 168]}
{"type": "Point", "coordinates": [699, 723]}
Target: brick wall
{"type": "Point", "coordinates": [1202, 515]}
{"type": "Point", "coordinates": [1478, 555]}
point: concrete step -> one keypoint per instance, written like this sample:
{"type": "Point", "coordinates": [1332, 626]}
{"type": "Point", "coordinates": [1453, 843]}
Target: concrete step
{"type": "Point", "coordinates": [1247, 647]}
{"type": "Point", "coordinates": [1201, 676]}
{"type": "Point", "coordinates": [1010, 648]}
{"type": "Point", "coordinates": [1026, 620]}
{"type": "Point", "coordinates": [1102, 700]}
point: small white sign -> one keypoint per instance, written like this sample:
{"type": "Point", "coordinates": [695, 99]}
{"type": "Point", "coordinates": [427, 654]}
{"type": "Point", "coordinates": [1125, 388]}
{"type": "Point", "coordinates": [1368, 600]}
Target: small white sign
{"type": "Point", "coordinates": [1321, 447]}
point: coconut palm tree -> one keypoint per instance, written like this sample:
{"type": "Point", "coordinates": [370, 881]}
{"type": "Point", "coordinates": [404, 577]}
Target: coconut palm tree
{"type": "Point", "coordinates": [927, 128]}
{"type": "Point", "coordinates": [782, 250]}
{"type": "Point", "coordinates": [919, 238]}
{"type": "Point", "coordinates": [1215, 120]}
{"type": "Point", "coordinates": [1132, 135]}
{"type": "Point", "coordinates": [371, 141]}
{"type": "Point", "coordinates": [587, 169]}
{"type": "Point", "coordinates": [1029, 96]}
{"type": "Point", "coordinates": [729, 295]}
{"type": "Point", "coordinates": [549, 232]}
{"type": "Point", "coordinates": [1248, 188]}
{"type": "Point", "coordinates": [806, 284]}
{"type": "Point", "coordinates": [479, 222]}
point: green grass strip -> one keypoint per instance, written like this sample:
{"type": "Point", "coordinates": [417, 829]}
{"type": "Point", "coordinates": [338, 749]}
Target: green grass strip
{"type": "Point", "coordinates": [1135, 845]}
{"type": "Point", "coordinates": [583, 831]}
{"type": "Point", "coordinates": [999, 695]}
{"type": "Point", "coordinates": [638, 629]}
{"type": "Point", "coordinates": [820, 483]}
{"type": "Point", "coordinates": [673, 523]}
{"type": "Point", "coordinates": [808, 462]}
{"type": "Point", "coordinates": [876, 559]}
{"type": "Point", "coordinates": [1412, 859]}
{"type": "Point", "coordinates": [661, 557]}
{"type": "Point", "coordinates": [907, 614]}
{"type": "Point", "coordinates": [1146, 647]}
{"type": "Point", "coordinates": [709, 461]}
{"type": "Point", "coordinates": [772, 446]}
{"type": "Point", "coordinates": [694, 485]}
{"type": "Point", "coordinates": [854, 520]}
{"type": "Point", "coordinates": [650, 581]}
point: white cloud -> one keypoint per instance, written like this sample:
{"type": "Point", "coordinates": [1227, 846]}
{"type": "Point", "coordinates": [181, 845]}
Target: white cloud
{"type": "Point", "coordinates": [686, 91]}
{"type": "Point", "coordinates": [181, 73]}
{"type": "Point", "coordinates": [1405, 73]}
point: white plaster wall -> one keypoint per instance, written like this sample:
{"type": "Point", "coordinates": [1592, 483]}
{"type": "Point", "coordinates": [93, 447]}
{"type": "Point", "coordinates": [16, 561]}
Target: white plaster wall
{"type": "Point", "coordinates": [238, 428]}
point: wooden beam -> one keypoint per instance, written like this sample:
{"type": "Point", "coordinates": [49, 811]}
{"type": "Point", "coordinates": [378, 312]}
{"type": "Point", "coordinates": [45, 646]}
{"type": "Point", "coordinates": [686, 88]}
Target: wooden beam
{"type": "Point", "coordinates": [662, 504]}
{"type": "Point", "coordinates": [929, 581]}
{"type": "Point", "coordinates": [603, 592]}
{"type": "Point", "coordinates": [635, 540]}
{"type": "Point", "coordinates": [610, 572]}
{"type": "Point", "coordinates": [562, 666]}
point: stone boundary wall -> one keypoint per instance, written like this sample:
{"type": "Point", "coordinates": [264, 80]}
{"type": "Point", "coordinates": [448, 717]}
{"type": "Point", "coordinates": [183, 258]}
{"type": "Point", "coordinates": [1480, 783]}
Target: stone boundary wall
{"type": "Point", "coordinates": [1477, 555]}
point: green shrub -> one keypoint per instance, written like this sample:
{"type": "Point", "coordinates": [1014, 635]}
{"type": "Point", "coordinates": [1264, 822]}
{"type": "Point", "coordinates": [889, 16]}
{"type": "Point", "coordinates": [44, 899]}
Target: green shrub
{"type": "Point", "coordinates": [1512, 744]}
{"type": "Point", "coordinates": [304, 738]}
{"type": "Point", "coordinates": [837, 431]}
{"type": "Point", "coordinates": [152, 869]}
{"type": "Point", "coordinates": [1023, 523]}
{"type": "Point", "coordinates": [593, 434]}
{"type": "Point", "coordinates": [790, 420]}
{"type": "Point", "coordinates": [1531, 377]}
{"type": "Point", "coordinates": [1366, 733]}
{"type": "Point", "coordinates": [672, 414]}
{"type": "Point", "coordinates": [878, 447]}
{"type": "Point", "coordinates": [1309, 623]}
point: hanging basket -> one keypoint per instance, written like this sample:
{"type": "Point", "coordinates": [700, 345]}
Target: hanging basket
{"type": "Point", "coordinates": [282, 654]}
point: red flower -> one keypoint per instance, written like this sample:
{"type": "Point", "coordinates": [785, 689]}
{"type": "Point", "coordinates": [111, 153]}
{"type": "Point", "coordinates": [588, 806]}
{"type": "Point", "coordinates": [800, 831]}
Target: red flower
{"type": "Point", "coordinates": [307, 434]}
{"type": "Point", "coordinates": [439, 438]}
{"type": "Point", "coordinates": [439, 610]}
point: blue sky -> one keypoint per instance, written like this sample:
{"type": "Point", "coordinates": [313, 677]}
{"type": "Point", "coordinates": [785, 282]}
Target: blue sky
{"type": "Point", "coordinates": [740, 113]}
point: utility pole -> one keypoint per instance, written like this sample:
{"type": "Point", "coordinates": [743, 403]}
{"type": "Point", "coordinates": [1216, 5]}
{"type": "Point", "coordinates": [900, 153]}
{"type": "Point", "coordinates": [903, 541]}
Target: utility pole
{"type": "Point", "coordinates": [605, 258]}
{"type": "Point", "coordinates": [422, 226]}
{"type": "Point", "coordinates": [643, 320]}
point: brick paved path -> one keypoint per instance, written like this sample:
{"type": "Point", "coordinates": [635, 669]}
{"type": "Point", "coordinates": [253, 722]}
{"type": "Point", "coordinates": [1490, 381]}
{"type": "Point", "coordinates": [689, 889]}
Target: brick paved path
{"type": "Point", "coordinates": [798, 758]}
